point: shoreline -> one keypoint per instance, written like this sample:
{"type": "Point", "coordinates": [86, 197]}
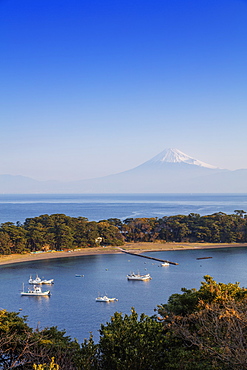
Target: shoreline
{"type": "Point", "coordinates": [129, 247]}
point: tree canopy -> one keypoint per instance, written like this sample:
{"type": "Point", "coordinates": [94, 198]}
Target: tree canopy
{"type": "Point", "coordinates": [58, 231]}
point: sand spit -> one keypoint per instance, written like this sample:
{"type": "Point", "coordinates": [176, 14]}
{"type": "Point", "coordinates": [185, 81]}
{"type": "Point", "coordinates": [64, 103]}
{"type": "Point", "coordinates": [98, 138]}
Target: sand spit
{"type": "Point", "coordinates": [131, 247]}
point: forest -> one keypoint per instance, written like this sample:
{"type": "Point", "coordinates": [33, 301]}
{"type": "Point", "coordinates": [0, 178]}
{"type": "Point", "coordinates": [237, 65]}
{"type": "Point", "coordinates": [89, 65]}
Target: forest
{"type": "Point", "coordinates": [196, 329]}
{"type": "Point", "coordinates": [59, 232]}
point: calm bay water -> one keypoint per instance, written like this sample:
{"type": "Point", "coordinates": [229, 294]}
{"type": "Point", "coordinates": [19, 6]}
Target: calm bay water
{"type": "Point", "coordinates": [72, 304]}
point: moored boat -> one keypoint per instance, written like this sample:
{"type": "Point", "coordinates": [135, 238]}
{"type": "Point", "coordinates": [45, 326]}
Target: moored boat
{"type": "Point", "coordinates": [35, 292]}
{"type": "Point", "coordinates": [38, 281]}
{"type": "Point", "coordinates": [165, 264]}
{"type": "Point", "coordinates": [133, 276]}
{"type": "Point", "coordinates": [50, 281]}
{"type": "Point", "coordinates": [105, 299]}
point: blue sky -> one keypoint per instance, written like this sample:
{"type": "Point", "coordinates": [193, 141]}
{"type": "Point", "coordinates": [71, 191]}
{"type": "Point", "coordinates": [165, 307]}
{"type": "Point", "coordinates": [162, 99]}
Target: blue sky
{"type": "Point", "coordinates": [90, 88]}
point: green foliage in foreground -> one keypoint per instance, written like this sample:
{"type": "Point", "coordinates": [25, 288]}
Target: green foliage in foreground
{"type": "Point", "coordinates": [131, 343]}
{"type": "Point", "coordinates": [209, 292]}
{"type": "Point", "coordinates": [204, 329]}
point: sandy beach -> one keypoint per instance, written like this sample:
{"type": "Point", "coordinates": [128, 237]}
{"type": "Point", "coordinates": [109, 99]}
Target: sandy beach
{"type": "Point", "coordinates": [130, 247]}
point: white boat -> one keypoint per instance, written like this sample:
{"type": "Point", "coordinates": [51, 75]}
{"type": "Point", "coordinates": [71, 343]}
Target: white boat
{"type": "Point", "coordinates": [165, 264]}
{"type": "Point", "coordinates": [35, 281]}
{"type": "Point", "coordinates": [106, 299]}
{"type": "Point", "coordinates": [50, 281]}
{"type": "Point", "coordinates": [38, 281]}
{"type": "Point", "coordinates": [35, 291]}
{"type": "Point", "coordinates": [133, 276]}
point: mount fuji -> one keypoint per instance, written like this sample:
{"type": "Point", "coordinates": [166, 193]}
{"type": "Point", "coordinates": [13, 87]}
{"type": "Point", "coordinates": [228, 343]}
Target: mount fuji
{"type": "Point", "coordinates": [171, 171]}
{"type": "Point", "coordinates": [176, 156]}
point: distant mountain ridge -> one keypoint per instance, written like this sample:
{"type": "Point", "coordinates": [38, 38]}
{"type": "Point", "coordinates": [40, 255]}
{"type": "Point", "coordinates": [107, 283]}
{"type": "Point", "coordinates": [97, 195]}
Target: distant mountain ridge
{"type": "Point", "coordinates": [171, 171]}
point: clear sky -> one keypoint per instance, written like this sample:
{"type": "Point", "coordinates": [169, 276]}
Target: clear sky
{"type": "Point", "coordinates": [91, 87]}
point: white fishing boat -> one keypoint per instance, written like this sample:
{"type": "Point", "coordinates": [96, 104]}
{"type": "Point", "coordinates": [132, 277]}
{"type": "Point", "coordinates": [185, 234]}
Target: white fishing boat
{"type": "Point", "coordinates": [38, 281]}
{"type": "Point", "coordinates": [165, 264]}
{"type": "Point", "coordinates": [133, 276]}
{"type": "Point", "coordinates": [35, 281]}
{"type": "Point", "coordinates": [105, 299]}
{"type": "Point", "coordinates": [35, 292]}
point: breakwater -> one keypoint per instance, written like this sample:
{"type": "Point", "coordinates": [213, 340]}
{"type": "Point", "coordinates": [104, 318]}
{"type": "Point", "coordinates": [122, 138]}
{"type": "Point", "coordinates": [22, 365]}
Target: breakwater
{"type": "Point", "coordinates": [151, 258]}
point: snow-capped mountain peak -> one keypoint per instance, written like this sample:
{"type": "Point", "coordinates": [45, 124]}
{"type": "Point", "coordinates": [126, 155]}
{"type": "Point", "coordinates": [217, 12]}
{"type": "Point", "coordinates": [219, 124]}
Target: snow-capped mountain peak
{"type": "Point", "coordinates": [176, 156]}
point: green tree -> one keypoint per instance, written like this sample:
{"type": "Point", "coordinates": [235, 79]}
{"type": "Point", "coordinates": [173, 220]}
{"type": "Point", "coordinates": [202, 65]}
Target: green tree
{"type": "Point", "coordinates": [37, 236]}
{"type": "Point", "coordinates": [210, 291]}
{"type": "Point", "coordinates": [240, 212]}
{"type": "Point", "coordinates": [110, 234]}
{"type": "Point", "coordinates": [21, 347]}
{"type": "Point", "coordinates": [131, 343]}
{"type": "Point", "coordinates": [5, 243]}
{"type": "Point", "coordinates": [80, 233]}
{"type": "Point", "coordinates": [55, 343]}
{"type": "Point", "coordinates": [63, 236]}
{"type": "Point", "coordinates": [115, 222]}
{"type": "Point", "coordinates": [139, 229]}
{"type": "Point", "coordinates": [15, 339]}
{"type": "Point", "coordinates": [17, 236]}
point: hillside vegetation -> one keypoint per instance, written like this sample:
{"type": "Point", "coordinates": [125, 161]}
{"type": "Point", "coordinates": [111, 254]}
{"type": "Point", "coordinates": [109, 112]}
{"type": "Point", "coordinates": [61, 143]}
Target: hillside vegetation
{"type": "Point", "coordinates": [58, 231]}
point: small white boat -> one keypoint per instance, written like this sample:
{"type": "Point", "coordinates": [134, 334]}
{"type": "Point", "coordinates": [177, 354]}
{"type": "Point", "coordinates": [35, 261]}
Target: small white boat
{"type": "Point", "coordinates": [165, 264]}
{"type": "Point", "coordinates": [106, 299]}
{"type": "Point", "coordinates": [38, 281]}
{"type": "Point", "coordinates": [50, 281]}
{"type": "Point", "coordinates": [35, 292]}
{"type": "Point", "coordinates": [133, 276]}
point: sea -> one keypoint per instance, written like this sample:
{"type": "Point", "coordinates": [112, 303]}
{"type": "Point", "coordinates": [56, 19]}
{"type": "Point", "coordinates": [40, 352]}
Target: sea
{"type": "Point", "coordinates": [97, 207]}
{"type": "Point", "coordinates": [72, 306]}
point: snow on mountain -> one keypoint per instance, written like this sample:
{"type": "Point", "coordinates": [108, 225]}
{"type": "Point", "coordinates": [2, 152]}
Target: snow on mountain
{"type": "Point", "coordinates": [171, 171]}
{"type": "Point", "coordinates": [176, 156]}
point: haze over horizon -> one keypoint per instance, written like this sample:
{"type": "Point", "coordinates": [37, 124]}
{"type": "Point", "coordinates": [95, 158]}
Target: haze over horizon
{"type": "Point", "coordinates": [92, 88]}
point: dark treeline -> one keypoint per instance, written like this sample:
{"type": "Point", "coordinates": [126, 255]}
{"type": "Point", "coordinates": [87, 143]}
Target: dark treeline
{"type": "Point", "coordinates": [216, 228]}
{"type": "Point", "coordinates": [56, 232]}
{"type": "Point", "coordinates": [59, 231]}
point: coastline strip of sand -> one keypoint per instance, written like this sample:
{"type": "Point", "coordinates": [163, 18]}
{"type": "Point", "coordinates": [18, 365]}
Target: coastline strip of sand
{"type": "Point", "coordinates": [131, 247]}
